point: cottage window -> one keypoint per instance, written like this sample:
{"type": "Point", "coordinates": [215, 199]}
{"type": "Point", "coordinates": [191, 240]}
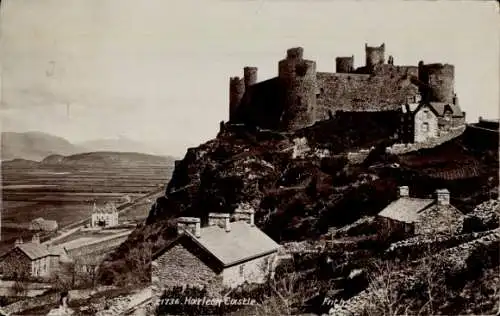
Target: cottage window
{"type": "Point", "coordinates": [242, 268]}
{"type": "Point", "coordinates": [425, 127]}
{"type": "Point", "coordinates": [427, 114]}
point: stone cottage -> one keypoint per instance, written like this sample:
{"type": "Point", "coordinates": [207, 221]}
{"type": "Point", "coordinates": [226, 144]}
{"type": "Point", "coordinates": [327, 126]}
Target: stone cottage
{"type": "Point", "coordinates": [424, 121]}
{"type": "Point", "coordinates": [41, 224]}
{"type": "Point", "coordinates": [222, 255]}
{"type": "Point", "coordinates": [416, 216]}
{"type": "Point", "coordinates": [30, 259]}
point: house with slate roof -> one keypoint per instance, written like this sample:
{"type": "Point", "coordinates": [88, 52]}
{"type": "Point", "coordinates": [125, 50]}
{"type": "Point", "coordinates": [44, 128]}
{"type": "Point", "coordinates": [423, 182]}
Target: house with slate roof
{"type": "Point", "coordinates": [424, 121]}
{"type": "Point", "coordinates": [30, 259]}
{"type": "Point", "coordinates": [106, 216]}
{"type": "Point", "coordinates": [224, 254]}
{"type": "Point", "coordinates": [418, 216]}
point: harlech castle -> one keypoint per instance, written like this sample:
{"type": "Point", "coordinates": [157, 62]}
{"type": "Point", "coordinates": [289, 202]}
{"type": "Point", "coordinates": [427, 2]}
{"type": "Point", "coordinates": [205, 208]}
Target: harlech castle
{"type": "Point", "coordinates": [300, 96]}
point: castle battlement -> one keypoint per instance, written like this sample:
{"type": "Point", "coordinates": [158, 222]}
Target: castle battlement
{"type": "Point", "coordinates": [299, 96]}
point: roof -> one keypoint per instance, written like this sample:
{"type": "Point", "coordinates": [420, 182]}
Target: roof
{"type": "Point", "coordinates": [406, 209]}
{"type": "Point", "coordinates": [242, 243]}
{"type": "Point", "coordinates": [440, 107]}
{"type": "Point", "coordinates": [44, 224]}
{"type": "Point", "coordinates": [33, 250]}
{"type": "Point", "coordinates": [106, 208]}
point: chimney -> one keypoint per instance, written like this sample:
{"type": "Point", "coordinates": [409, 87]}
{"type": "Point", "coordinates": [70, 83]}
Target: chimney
{"type": "Point", "coordinates": [442, 197]}
{"type": "Point", "coordinates": [219, 219]}
{"type": "Point", "coordinates": [190, 224]}
{"type": "Point", "coordinates": [19, 241]}
{"type": "Point", "coordinates": [245, 214]}
{"type": "Point", "coordinates": [35, 239]}
{"type": "Point", "coordinates": [403, 191]}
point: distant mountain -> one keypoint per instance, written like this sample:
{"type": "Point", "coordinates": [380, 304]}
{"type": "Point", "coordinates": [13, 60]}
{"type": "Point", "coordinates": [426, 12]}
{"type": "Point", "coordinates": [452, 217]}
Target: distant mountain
{"type": "Point", "coordinates": [122, 144]}
{"type": "Point", "coordinates": [34, 146]}
{"type": "Point", "coordinates": [109, 158]}
{"type": "Point", "coordinates": [37, 146]}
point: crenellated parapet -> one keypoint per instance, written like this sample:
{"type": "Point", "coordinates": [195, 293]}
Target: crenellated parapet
{"type": "Point", "coordinates": [299, 96]}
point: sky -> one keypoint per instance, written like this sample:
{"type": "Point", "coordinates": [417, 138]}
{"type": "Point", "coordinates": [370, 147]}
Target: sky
{"type": "Point", "coordinates": [158, 71]}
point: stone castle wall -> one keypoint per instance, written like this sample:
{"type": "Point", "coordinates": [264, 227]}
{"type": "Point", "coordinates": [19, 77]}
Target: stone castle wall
{"type": "Point", "coordinates": [383, 91]}
{"type": "Point", "coordinates": [300, 96]}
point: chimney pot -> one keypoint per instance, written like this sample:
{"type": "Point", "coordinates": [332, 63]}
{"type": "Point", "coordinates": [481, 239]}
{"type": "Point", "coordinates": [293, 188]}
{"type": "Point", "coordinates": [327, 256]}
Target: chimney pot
{"type": "Point", "coordinates": [442, 197]}
{"type": "Point", "coordinates": [246, 214]}
{"type": "Point", "coordinates": [19, 241]}
{"type": "Point", "coordinates": [190, 224]}
{"type": "Point", "coordinates": [403, 191]}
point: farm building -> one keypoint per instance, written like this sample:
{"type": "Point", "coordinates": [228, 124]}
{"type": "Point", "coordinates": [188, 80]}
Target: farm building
{"type": "Point", "coordinates": [223, 254]}
{"type": "Point", "coordinates": [30, 259]}
{"type": "Point", "coordinates": [41, 224]}
{"type": "Point", "coordinates": [421, 216]}
{"type": "Point", "coordinates": [106, 216]}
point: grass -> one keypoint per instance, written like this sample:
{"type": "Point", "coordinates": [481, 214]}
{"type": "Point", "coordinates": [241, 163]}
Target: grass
{"type": "Point", "coordinates": [66, 193]}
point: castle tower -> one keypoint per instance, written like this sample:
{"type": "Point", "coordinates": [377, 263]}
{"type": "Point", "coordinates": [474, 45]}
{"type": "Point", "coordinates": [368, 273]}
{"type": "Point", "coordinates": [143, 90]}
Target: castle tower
{"type": "Point", "coordinates": [250, 75]}
{"type": "Point", "coordinates": [439, 82]}
{"type": "Point", "coordinates": [298, 78]}
{"type": "Point", "coordinates": [344, 64]}
{"type": "Point", "coordinates": [236, 93]}
{"type": "Point", "coordinates": [374, 55]}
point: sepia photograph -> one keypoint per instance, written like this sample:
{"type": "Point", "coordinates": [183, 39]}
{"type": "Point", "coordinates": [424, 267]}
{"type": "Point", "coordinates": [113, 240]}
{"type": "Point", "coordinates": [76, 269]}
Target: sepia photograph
{"type": "Point", "coordinates": [218, 157]}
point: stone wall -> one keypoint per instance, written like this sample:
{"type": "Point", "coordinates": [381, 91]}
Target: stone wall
{"type": "Point", "coordinates": [444, 219]}
{"type": "Point", "coordinates": [417, 246]}
{"type": "Point", "coordinates": [399, 149]}
{"type": "Point", "coordinates": [101, 246]}
{"type": "Point", "coordinates": [357, 157]}
{"type": "Point", "coordinates": [179, 266]}
{"type": "Point", "coordinates": [362, 92]}
{"type": "Point", "coordinates": [16, 263]}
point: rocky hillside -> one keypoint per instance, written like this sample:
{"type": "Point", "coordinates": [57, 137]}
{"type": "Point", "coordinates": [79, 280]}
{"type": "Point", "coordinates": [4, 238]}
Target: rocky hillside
{"type": "Point", "coordinates": [303, 183]}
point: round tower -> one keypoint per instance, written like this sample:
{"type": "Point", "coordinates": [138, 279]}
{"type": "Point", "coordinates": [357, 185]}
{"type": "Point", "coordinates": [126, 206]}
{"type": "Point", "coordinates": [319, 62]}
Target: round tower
{"type": "Point", "coordinates": [344, 64]}
{"type": "Point", "coordinates": [250, 74]}
{"type": "Point", "coordinates": [374, 55]}
{"type": "Point", "coordinates": [236, 93]}
{"type": "Point", "coordinates": [439, 80]}
{"type": "Point", "coordinates": [298, 77]}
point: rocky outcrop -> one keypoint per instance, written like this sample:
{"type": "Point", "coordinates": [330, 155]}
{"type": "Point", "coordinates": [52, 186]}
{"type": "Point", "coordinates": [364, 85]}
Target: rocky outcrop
{"type": "Point", "coordinates": [484, 217]}
{"type": "Point", "coordinates": [300, 184]}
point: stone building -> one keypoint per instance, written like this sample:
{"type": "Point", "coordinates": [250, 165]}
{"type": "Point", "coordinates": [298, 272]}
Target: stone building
{"type": "Point", "coordinates": [423, 121]}
{"type": "Point", "coordinates": [106, 216]}
{"type": "Point", "coordinates": [416, 216]}
{"type": "Point", "coordinates": [300, 95]}
{"type": "Point", "coordinates": [222, 255]}
{"type": "Point", "coordinates": [30, 259]}
{"type": "Point", "coordinates": [41, 224]}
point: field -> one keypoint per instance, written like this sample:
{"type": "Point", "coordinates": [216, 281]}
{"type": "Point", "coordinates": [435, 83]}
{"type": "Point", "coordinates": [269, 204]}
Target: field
{"type": "Point", "coordinates": [66, 193]}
